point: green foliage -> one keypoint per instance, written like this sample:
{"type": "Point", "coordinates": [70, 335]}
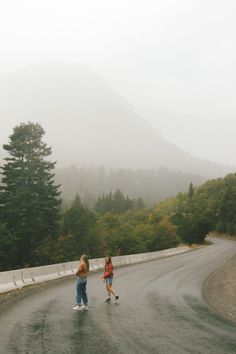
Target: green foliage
{"type": "Point", "coordinates": [8, 248]}
{"type": "Point", "coordinates": [57, 250]}
{"type": "Point", "coordinates": [192, 229]}
{"type": "Point", "coordinates": [116, 203]}
{"type": "Point", "coordinates": [29, 200]}
{"type": "Point", "coordinates": [138, 203]}
{"type": "Point", "coordinates": [165, 235]}
{"type": "Point", "coordinates": [77, 220]}
{"type": "Point", "coordinates": [34, 231]}
{"type": "Point", "coordinates": [210, 207]}
{"type": "Point", "coordinates": [138, 231]}
{"type": "Point", "coordinates": [190, 191]}
{"type": "Point", "coordinates": [226, 220]}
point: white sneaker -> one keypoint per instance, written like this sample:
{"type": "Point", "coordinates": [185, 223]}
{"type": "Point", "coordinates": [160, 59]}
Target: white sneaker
{"type": "Point", "coordinates": [78, 308]}
{"type": "Point", "coordinates": [85, 307]}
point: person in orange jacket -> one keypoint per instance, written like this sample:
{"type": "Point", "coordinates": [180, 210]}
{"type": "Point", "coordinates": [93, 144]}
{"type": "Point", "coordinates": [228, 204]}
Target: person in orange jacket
{"type": "Point", "coordinates": [108, 278]}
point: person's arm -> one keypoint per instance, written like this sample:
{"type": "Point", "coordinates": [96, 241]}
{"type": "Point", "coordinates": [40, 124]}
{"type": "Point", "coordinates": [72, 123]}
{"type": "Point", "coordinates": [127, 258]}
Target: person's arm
{"type": "Point", "coordinates": [102, 277]}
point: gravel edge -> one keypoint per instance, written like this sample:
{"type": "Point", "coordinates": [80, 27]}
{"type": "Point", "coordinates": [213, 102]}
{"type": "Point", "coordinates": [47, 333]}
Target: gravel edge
{"type": "Point", "coordinates": [219, 290]}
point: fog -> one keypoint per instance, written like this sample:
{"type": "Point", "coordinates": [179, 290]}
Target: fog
{"type": "Point", "coordinates": [173, 61]}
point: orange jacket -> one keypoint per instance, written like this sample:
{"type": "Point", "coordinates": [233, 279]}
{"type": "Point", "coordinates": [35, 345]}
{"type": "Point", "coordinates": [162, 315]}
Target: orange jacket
{"type": "Point", "coordinates": [108, 270]}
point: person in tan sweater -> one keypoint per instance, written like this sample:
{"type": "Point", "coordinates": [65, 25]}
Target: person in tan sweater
{"type": "Point", "coordinates": [82, 273]}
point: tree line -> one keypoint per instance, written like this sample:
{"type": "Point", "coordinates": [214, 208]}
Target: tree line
{"type": "Point", "coordinates": [151, 185]}
{"type": "Point", "coordinates": [36, 228]}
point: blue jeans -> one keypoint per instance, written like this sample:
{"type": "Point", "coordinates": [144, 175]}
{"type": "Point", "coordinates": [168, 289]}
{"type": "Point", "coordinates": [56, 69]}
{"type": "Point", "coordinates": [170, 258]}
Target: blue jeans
{"type": "Point", "coordinates": [81, 291]}
{"type": "Point", "coordinates": [109, 280]}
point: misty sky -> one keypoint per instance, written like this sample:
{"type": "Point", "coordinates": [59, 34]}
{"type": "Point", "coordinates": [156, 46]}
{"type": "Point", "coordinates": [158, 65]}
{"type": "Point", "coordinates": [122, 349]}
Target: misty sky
{"type": "Point", "coordinates": [174, 60]}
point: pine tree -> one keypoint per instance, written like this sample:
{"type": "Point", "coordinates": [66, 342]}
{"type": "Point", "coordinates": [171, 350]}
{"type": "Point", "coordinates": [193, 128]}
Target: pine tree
{"type": "Point", "coordinates": [190, 191]}
{"type": "Point", "coordinates": [227, 211]}
{"type": "Point", "coordinates": [29, 200]}
{"type": "Point", "coordinates": [7, 248]}
{"type": "Point", "coordinates": [139, 203]}
{"type": "Point", "coordinates": [77, 220]}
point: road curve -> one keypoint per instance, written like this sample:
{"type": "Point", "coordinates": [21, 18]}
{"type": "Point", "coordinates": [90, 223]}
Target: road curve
{"type": "Point", "coordinates": [161, 310]}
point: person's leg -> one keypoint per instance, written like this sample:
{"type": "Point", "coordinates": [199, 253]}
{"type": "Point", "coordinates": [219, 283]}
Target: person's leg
{"type": "Point", "coordinates": [78, 297]}
{"type": "Point", "coordinates": [111, 290]}
{"type": "Point", "coordinates": [84, 293]}
{"type": "Point", "coordinates": [108, 290]}
{"type": "Point", "coordinates": [79, 293]}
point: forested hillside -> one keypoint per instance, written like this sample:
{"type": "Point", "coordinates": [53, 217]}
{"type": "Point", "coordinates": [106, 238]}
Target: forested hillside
{"type": "Point", "coordinates": [35, 229]}
{"type": "Point", "coordinates": [209, 207]}
{"type": "Point", "coordinates": [151, 185]}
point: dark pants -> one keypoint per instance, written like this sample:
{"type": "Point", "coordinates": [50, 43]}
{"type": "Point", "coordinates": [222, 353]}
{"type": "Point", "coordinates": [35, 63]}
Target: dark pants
{"type": "Point", "coordinates": [81, 291]}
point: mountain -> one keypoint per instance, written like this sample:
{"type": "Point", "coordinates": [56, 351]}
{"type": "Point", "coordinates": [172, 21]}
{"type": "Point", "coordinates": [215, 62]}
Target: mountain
{"type": "Point", "coordinates": [217, 137]}
{"type": "Point", "coordinates": [87, 123]}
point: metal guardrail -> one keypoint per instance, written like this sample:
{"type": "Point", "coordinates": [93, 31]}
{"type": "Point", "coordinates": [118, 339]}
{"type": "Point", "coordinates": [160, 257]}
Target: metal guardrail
{"type": "Point", "coordinates": [17, 279]}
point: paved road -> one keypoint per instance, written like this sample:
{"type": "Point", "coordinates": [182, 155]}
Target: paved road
{"type": "Point", "coordinates": [161, 310]}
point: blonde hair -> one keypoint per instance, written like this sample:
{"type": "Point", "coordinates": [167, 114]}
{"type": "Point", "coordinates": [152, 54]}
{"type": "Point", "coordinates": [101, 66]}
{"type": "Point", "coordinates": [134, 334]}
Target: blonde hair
{"type": "Point", "coordinates": [85, 260]}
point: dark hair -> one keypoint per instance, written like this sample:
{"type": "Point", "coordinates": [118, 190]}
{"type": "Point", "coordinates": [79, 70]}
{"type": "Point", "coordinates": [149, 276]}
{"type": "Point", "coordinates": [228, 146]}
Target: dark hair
{"type": "Point", "coordinates": [109, 258]}
{"type": "Point", "coordinates": [85, 260]}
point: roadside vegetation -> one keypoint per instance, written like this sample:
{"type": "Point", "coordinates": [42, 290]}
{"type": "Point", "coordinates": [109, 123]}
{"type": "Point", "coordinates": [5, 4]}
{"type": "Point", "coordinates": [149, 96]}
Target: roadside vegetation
{"type": "Point", "coordinates": [36, 228]}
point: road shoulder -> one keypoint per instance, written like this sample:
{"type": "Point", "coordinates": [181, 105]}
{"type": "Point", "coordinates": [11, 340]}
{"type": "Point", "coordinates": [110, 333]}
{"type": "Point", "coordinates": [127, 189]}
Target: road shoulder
{"type": "Point", "coordinates": [220, 288]}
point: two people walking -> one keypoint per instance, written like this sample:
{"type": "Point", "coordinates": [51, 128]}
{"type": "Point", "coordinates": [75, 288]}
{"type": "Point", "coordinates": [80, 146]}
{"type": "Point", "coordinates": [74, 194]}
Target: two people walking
{"type": "Point", "coordinates": [82, 273]}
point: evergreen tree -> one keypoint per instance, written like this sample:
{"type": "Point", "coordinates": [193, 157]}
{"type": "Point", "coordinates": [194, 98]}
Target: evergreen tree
{"type": "Point", "coordinates": [116, 203]}
{"type": "Point", "coordinates": [7, 248]}
{"type": "Point", "coordinates": [104, 203]}
{"type": "Point", "coordinates": [119, 202]}
{"type": "Point", "coordinates": [227, 211]}
{"type": "Point", "coordinates": [78, 220]}
{"type": "Point", "coordinates": [190, 191]}
{"type": "Point", "coordinates": [139, 203]}
{"type": "Point", "coordinates": [29, 200]}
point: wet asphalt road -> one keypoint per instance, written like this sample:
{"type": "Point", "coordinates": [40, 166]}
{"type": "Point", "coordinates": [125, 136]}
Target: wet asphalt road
{"type": "Point", "coordinates": [161, 310]}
